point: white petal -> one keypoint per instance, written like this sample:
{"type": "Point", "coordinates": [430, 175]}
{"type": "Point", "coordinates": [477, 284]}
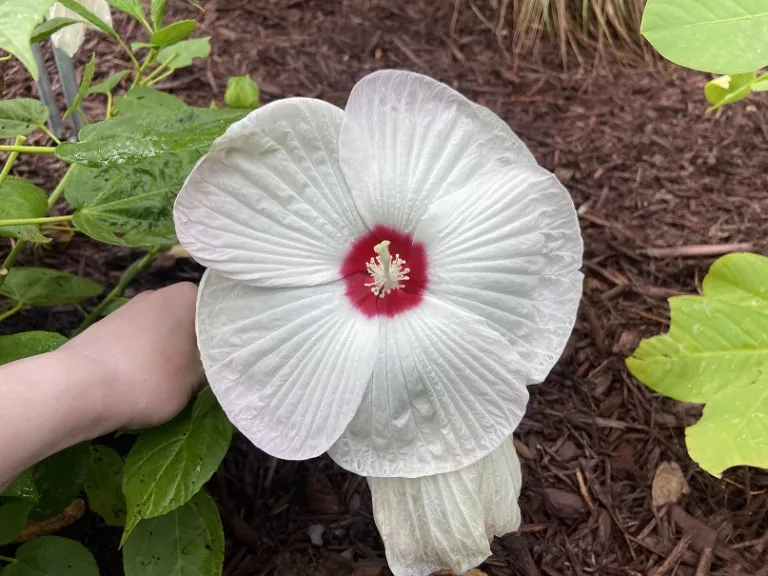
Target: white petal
{"type": "Point", "coordinates": [70, 38]}
{"type": "Point", "coordinates": [446, 521]}
{"type": "Point", "coordinates": [408, 140]}
{"type": "Point", "coordinates": [289, 366]}
{"type": "Point", "coordinates": [446, 391]}
{"type": "Point", "coordinates": [268, 204]}
{"type": "Point", "coordinates": [508, 248]}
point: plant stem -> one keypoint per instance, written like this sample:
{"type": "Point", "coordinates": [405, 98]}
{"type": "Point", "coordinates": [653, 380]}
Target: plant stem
{"type": "Point", "coordinates": [32, 221]}
{"type": "Point", "coordinates": [10, 260]}
{"type": "Point", "coordinates": [147, 62]}
{"type": "Point", "coordinates": [11, 159]}
{"type": "Point", "coordinates": [152, 75]}
{"type": "Point", "coordinates": [159, 78]}
{"type": "Point", "coordinates": [50, 134]}
{"type": "Point", "coordinates": [29, 149]}
{"type": "Point", "coordinates": [7, 559]}
{"type": "Point", "coordinates": [128, 51]}
{"type": "Point", "coordinates": [10, 312]}
{"type": "Point", "coordinates": [109, 106]}
{"type": "Point", "coordinates": [60, 188]}
{"type": "Point", "coordinates": [125, 279]}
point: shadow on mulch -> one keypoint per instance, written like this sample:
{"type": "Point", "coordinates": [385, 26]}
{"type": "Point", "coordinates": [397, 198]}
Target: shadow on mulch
{"type": "Point", "coordinates": [647, 170]}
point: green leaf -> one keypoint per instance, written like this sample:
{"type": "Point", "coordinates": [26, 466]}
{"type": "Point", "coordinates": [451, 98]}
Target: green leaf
{"type": "Point", "coordinates": [157, 11]}
{"type": "Point", "coordinates": [182, 54]}
{"type": "Point", "coordinates": [46, 287]}
{"type": "Point", "coordinates": [761, 84]}
{"type": "Point", "coordinates": [131, 7]}
{"type": "Point", "coordinates": [173, 33]}
{"type": "Point", "coordinates": [19, 198]}
{"type": "Point", "coordinates": [130, 205]}
{"type": "Point", "coordinates": [109, 84]}
{"type": "Point", "coordinates": [23, 488]}
{"type": "Point", "coordinates": [85, 84]}
{"type": "Point", "coordinates": [170, 464]}
{"type": "Point", "coordinates": [117, 303]}
{"type": "Point", "coordinates": [728, 89]}
{"type": "Point", "coordinates": [21, 116]}
{"type": "Point", "coordinates": [150, 135]}
{"type": "Point", "coordinates": [716, 352]}
{"type": "Point", "coordinates": [242, 92]}
{"type": "Point", "coordinates": [50, 27]}
{"type": "Point", "coordinates": [141, 46]}
{"type": "Point", "coordinates": [25, 344]}
{"type": "Point", "coordinates": [59, 480]}
{"type": "Point", "coordinates": [88, 16]}
{"type": "Point", "coordinates": [52, 556]}
{"type": "Point", "coordinates": [142, 100]}
{"type": "Point", "coordinates": [104, 485]}
{"type": "Point", "coordinates": [17, 21]}
{"type": "Point", "coordinates": [718, 36]}
{"type": "Point", "coordinates": [188, 541]}
{"type": "Point", "coordinates": [13, 519]}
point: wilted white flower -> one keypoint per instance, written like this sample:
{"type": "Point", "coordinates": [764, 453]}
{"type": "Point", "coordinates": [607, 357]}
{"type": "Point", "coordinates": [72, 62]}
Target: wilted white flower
{"type": "Point", "coordinates": [70, 38]}
{"type": "Point", "coordinates": [383, 283]}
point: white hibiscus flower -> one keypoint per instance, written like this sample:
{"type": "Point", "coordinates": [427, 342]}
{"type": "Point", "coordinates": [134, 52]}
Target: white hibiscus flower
{"type": "Point", "coordinates": [70, 38]}
{"type": "Point", "coordinates": [383, 283]}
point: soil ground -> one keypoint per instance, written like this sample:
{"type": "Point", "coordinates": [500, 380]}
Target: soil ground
{"type": "Point", "coordinates": [647, 170]}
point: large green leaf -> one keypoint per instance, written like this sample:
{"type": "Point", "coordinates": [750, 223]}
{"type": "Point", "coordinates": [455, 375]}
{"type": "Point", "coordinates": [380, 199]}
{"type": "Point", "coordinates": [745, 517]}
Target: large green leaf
{"type": "Point", "coordinates": [184, 53]}
{"type": "Point", "coordinates": [104, 485]}
{"type": "Point", "coordinates": [170, 464]}
{"type": "Point", "coordinates": [719, 36]}
{"type": "Point", "coordinates": [19, 198]}
{"type": "Point", "coordinates": [23, 488]}
{"type": "Point", "coordinates": [189, 541]}
{"type": "Point", "coordinates": [242, 92]}
{"type": "Point", "coordinates": [59, 480]}
{"type": "Point", "coordinates": [144, 100]}
{"type": "Point", "coordinates": [21, 116]}
{"type": "Point", "coordinates": [47, 287]}
{"type": "Point", "coordinates": [173, 33]}
{"type": "Point", "coordinates": [52, 556]}
{"type": "Point", "coordinates": [85, 84]}
{"type": "Point", "coordinates": [716, 353]}
{"type": "Point", "coordinates": [148, 136]}
{"type": "Point", "coordinates": [129, 205]}
{"type": "Point", "coordinates": [109, 84]}
{"type": "Point", "coordinates": [50, 27]}
{"type": "Point", "coordinates": [25, 344]}
{"type": "Point", "coordinates": [17, 21]}
{"type": "Point", "coordinates": [728, 89]}
{"type": "Point", "coordinates": [13, 518]}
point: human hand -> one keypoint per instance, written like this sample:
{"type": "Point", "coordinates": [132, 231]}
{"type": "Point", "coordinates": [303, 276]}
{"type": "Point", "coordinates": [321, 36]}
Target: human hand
{"type": "Point", "coordinates": [146, 356]}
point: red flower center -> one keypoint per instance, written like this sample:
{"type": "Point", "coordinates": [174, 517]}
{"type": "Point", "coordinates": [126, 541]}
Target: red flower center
{"type": "Point", "coordinates": [396, 278]}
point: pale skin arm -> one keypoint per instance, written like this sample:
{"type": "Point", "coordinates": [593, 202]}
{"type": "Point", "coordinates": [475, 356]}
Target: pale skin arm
{"type": "Point", "coordinates": [137, 368]}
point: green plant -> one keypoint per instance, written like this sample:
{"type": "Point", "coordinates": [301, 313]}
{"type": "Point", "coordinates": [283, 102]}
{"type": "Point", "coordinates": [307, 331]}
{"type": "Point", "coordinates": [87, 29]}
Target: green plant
{"type": "Point", "coordinates": [716, 351]}
{"type": "Point", "coordinates": [123, 177]}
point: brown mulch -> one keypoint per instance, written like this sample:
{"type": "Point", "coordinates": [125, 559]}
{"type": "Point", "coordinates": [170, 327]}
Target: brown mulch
{"type": "Point", "coordinates": [647, 169]}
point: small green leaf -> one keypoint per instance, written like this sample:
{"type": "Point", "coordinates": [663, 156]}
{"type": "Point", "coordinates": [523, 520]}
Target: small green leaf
{"type": "Point", "coordinates": [718, 36]}
{"type": "Point", "coordinates": [142, 100]}
{"type": "Point", "coordinates": [13, 518]}
{"type": "Point", "coordinates": [157, 12]}
{"type": "Point", "coordinates": [88, 16]}
{"type": "Point", "coordinates": [761, 84]}
{"type": "Point", "coordinates": [182, 54]}
{"type": "Point", "coordinates": [46, 287]}
{"type": "Point", "coordinates": [716, 352]}
{"type": "Point", "coordinates": [129, 205]}
{"type": "Point", "coordinates": [59, 480]}
{"type": "Point", "coordinates": [17, 22]}
{"type": "Point", "coordinates": [116, 304]}
{"type": "Point", "coordinates": [85, 84]}
{"type": "Point", "coordinates": [173, 33]}
{"type": "Point", "coordinates": [25, 344]}
{"type": "Point", "coordinates": [728, 89]}
{"type": "Point", "coordinates": [104, 485]}
{"type": "Point", "coordinates": [131, 7]}
{"type": "Point", "coordinates": [52, 556]}
{"type": "Point", "coordinates": [170, 464]}
{"type": "Point", "coordinates": [109, 84]}
{"type": "Point", "coordinates": [242, 92]}
{"type": "Point", "coordinates": [189, 541]}
{"type": "Point", "coordinates": [19, 198]}
{"type": "Point", "coordinates": [50, 27]}
{"type": "Point", "coordinates": [23, 488]}
{"type": "Point", "coordinates": [21, 116]}
{"type": "Point", "coordinates": [150, 135]}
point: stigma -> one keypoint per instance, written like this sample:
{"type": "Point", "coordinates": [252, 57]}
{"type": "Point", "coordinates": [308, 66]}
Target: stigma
{"type": "Point", "coordinates": [387, 274]}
